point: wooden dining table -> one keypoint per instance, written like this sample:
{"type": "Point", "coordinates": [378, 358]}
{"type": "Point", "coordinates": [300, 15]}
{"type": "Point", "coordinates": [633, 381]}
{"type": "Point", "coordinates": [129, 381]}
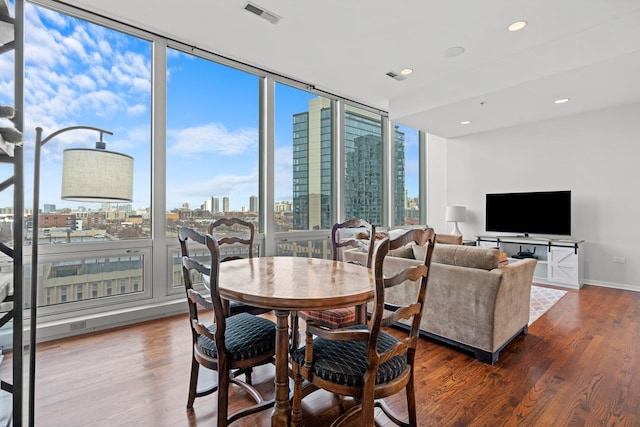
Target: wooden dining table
{"type": "Point", "coordinates": [287, 284]}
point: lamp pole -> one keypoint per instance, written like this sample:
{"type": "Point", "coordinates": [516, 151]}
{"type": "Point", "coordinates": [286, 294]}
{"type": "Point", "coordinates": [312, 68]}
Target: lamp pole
{"type": "Point", "coordinates": [34, 251]}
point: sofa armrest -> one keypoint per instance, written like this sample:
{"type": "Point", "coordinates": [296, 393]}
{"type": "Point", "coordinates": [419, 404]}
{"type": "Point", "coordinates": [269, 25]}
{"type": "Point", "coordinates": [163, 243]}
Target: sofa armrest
{"type": "Point", "coordinates": [479, 308]}
{"type": "Point", "coordinates": [513, 301]}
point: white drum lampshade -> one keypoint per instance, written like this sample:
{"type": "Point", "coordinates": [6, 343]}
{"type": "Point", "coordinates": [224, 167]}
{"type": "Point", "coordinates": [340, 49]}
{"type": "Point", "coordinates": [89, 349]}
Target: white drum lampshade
{"type": "Point", "coordinates": [6, 28]}
{"type": "Point", "coordinates": [456, 214]}
{"type": "Point", "coordinates": [97, 175]}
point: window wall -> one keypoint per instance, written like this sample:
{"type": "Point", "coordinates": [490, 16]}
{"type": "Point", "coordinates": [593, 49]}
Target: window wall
{"type": "Point", "coordinates": [79, 73]}
{"type": "Point", "coordinates": [199, 153]}
{"type": "Point", "coordinates": [304, 140]}
{"type": "Point", "coordinates": [212, 144]}
{"type": "Point", "coordinates": [363, 165]}
{"type": "Point", "coordinates": [212, 167]}
{"type": "Point", "coordinates": [406, 176]}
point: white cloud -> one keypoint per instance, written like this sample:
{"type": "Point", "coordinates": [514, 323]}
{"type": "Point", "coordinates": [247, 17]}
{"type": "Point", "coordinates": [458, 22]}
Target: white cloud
{"type": "Point", "coordinates": [83, 82]}
{"type": "Point", "coordinates": [6, 68]}
{"type": "Point", "coordinates": [236, 187]}
{"type": "Point", "coordinates": [212, 138]}
{"type": "Point", "coordinates": [105, 48]}
{"type": "Point", "coordinates": [138, 109]}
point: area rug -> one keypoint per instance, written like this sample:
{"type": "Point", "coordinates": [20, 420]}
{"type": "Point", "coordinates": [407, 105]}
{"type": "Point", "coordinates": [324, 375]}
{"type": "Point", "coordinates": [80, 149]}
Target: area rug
{"type": "Point", "coordinates": [542, 299]}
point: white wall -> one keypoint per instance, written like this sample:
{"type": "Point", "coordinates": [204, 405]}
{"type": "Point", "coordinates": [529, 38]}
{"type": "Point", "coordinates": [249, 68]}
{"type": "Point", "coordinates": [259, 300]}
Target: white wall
{"type": "Point", "coordinates": [595, 155]}
{"type": "Point", "coordinates": [436, 182]}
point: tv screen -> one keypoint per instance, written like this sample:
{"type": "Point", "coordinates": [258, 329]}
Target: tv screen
{"type": "Point", "coordinates": [543, 212]}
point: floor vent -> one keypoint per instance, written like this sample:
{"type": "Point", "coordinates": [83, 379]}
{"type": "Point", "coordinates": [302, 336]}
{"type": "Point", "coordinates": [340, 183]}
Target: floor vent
{"type": "Point", "coordinates": [263, 13]}
{"type": "Point", "coordinates": [76, 326]}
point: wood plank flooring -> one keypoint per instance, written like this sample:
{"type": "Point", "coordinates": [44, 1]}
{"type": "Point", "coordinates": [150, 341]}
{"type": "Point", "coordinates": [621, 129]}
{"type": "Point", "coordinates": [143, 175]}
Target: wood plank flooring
{"type": "Point", "coordinates": [579, 365]}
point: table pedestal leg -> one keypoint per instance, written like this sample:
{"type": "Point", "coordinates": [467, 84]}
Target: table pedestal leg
{"type": "Point", "coordinates": [281, 410]}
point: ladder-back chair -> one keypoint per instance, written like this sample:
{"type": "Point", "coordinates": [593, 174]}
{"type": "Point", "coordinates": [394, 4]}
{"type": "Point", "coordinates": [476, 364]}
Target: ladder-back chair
{"type": "Point", "coordinates": [364, 361]}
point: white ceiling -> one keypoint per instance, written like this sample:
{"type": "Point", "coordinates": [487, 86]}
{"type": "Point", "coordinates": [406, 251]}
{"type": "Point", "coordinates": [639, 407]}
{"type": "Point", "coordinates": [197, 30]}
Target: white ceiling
{"type": "Point", "coordinates": [585, 50]}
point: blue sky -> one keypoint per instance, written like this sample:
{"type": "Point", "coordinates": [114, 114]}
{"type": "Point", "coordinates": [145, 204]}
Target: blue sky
{"type": "Point", "coordinates": [83, 74]}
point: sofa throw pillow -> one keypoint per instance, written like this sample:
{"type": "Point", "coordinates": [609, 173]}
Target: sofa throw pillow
{"type": "Point", "coordinates": [504, 260]}
{"type": "Point", "coordinates": [462, 256]}
{"type": "Point", "coordinates": [419, 252]}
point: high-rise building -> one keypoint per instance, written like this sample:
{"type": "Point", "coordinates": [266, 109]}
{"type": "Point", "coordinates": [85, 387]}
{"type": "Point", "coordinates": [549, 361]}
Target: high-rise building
{"type": "Point", "coordinates": [215, 204]}
{"type": "Point", "coordinates": [312, 175]}
{"type": "Point", "coordinates": [253, 204]}
{"type": "Point", "coordinates": [283, 206]}
{"type": "Point", "coordinates": [225, 204]}
{"type": "Point", "coordinates": [207, 205]}
{"type": "Point", "coordinates": [48, 208]}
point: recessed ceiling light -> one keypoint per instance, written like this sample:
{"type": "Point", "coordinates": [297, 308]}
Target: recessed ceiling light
{"type": "Point", "coordinates": [561, 100]}
{"type": "Point", "coordinates": [517, 26]}
{"type": "Point", "coordinates": [406, 71]}
{"type": "Point", "coordinates": [453, 51]}
{"type": "Point", "coordinates": [465, 122]}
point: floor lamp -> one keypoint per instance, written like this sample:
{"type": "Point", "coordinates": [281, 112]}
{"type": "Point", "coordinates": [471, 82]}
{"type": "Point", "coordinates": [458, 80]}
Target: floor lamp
{"type": "Point", "coordinates": [88, 175]}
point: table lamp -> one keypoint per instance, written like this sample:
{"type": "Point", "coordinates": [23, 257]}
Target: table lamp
{"type": "Point", "coordinates": [456, 214]}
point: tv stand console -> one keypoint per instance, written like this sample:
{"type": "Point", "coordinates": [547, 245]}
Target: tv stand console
{"type": "Point", "coordinates": [560, 261]}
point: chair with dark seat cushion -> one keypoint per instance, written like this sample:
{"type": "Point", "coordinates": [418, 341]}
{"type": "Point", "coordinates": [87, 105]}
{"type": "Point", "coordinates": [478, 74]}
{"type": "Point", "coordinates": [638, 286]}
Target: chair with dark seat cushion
{"type": "Point", "coordinates": [340, 317]}
{"type": "Point", "coordinates": [364, 361]}
{"type": "Point", "coordinates": [235, 237]}
{"type": "Point", "coordinates": [230, 345]}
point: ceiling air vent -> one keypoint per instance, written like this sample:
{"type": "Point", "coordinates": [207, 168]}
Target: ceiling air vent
{"type": "Point", "coordinates": [396, 76]}
{"type": "Point", "coordinates": [263, 13]}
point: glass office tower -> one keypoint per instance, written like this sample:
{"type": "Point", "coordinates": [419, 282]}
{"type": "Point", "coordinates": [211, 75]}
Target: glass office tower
{"type": "Point", "coordinates": [312, 167]}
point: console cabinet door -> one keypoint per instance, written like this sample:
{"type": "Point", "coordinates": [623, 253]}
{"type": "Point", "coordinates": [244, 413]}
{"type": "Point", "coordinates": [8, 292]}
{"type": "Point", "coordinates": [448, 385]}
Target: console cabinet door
{"type": "Point", "coordinates": [563, 266]}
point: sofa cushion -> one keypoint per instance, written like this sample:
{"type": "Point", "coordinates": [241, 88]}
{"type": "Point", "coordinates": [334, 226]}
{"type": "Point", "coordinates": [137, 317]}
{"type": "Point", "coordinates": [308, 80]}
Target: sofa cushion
{"type": "Point", "coordinates": [448, 239]}
{"type": "Point", "coordinates": [462, 256]}
{"type": "Point", "coordinates": [405, 251]}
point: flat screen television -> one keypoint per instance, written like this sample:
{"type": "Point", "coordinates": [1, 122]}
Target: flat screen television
{"type": "Point", "coordinates": [542, 212]}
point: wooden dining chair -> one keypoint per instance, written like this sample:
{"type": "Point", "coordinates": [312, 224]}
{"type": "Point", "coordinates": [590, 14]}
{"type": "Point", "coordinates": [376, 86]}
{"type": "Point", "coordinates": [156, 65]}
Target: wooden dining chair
{"type": "Point", "coordinates": [239, 245]}
{"type": "Point", "coordinates": [230, 345]}
{"type": "Point", "coordinates": [362, 236]}
{"type": "Point", "coordinates": [364, 361]}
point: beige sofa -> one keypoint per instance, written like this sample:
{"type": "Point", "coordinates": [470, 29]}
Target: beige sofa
{"type": "Point", "coordinates": [472, 302]}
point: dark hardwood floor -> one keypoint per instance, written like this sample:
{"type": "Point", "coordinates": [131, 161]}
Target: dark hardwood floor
{"type": "Point", "coordinates": [579, 365]}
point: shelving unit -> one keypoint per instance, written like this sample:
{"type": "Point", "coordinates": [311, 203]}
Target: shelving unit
{"type": "Point", "coordinates": [12, 387]}
{"type": "Point", "coordinates": [560, 261]}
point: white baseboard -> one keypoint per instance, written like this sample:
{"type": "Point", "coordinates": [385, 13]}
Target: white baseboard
{"type": "Point", "coordinates": [51, 330]}
{"type": "Point", "coordinates": [621, 286]}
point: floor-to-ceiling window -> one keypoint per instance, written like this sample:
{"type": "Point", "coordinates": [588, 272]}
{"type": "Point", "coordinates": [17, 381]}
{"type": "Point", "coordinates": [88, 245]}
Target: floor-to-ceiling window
{"type": "Point", "coordinates": [79, 73]}
{"type": "Point", "coordinates": [212, 167]}
{"type": "Point", "coordinates": [406, 176]}
{"type": "Point", "coordinates": [363, 165]}
{"type": "Point", "coordinates": [304, 141]}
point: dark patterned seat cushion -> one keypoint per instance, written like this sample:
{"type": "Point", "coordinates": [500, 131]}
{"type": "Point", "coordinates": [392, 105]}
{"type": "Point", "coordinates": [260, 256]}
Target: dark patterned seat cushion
{"type": "Point", "coordinates": [247, 336]}
{"type": "Point", "coordinates": [345, 362]}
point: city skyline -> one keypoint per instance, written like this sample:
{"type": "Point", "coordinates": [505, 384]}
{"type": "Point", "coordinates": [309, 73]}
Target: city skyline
{"type": "Point", "coordinates": [79, 73]}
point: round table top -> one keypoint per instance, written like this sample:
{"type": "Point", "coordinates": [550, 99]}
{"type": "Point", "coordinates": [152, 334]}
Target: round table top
{"type": "Point", "coordinates": [296, 283]}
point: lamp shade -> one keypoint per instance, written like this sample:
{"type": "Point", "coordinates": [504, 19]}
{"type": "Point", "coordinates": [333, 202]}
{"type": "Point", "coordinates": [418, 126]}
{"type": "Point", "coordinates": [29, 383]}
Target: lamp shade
{"type": "Point", "coordinates": [6, 27]}
{"type": "Point", "coordinates": [456, 214]}
{"type": "Point", "coordinates": [96, 175]}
